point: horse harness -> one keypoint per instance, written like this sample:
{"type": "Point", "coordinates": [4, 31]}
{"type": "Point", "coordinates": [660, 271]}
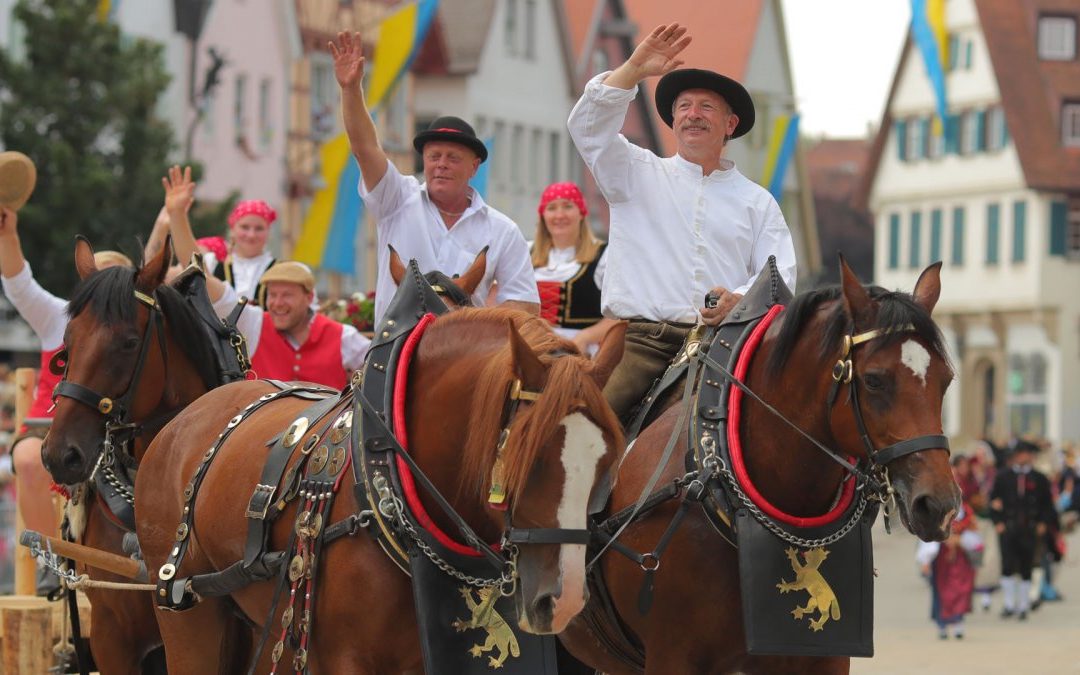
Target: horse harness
{"type": "Point", "coordinates": [354, 428]}
{"type": "Point", "coordinates": [709, 480]}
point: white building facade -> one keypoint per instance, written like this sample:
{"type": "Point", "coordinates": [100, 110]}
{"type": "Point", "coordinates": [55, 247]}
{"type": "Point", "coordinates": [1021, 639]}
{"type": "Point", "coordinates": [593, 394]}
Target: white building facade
{"type": "Point", "coordinates": [978, 198]}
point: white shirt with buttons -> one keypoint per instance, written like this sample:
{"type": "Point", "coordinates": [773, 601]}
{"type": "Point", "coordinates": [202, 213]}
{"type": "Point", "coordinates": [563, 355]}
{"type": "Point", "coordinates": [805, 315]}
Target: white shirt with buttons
{"type": "Point", "coordinates": [409, 221]}
{"type": "Point", "coordinates": [675, 233]}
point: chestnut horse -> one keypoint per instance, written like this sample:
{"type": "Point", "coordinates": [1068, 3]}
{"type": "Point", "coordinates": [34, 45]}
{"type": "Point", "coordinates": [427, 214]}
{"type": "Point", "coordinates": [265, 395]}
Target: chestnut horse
{"type": "Point", "coordinates": [559, 447]}
{"type": "Point", "coordinates": [107, 332]}
{"type": "Point", "coordinates": [695, 624]}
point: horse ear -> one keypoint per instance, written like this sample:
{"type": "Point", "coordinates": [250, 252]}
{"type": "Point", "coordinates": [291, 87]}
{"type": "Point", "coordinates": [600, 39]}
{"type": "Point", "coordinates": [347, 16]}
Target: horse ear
{"type": "Point", "coordinates": [84, 257]}
{"type": "Point", "coordinates": [611, 352]}
{"type": "Point", "coordinates": [475, 274]}
{"type": "Point", "coordinates": [397, 268]}
{"type": "Point", "coordinates": [928, 287]}
{"type": "Point", "coordinates": [857, 301]}
{"type": "Point", "coordinates": [152, 274]}
{"type": "Point", "coordinates": [527, 366]}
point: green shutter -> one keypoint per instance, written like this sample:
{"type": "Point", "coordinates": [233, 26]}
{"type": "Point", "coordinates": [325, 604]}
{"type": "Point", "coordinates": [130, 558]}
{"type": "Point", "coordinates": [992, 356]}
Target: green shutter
{"type": "Point", "coordinates": [980, 131]}
{"type": "Point", "coordinates": [1004, 129]}
{"type": "Point", "coordinates": [993, 233]}
{"type": "Point", "coordinates": [952, 134]}
{"type": "Point", "coordinates": [967, 55]}
{"type": "Point", "coordinates": [1057, 228]}
{"type": "Point", "coordinates": [935, 236]}
{"type": "Point", "coordinates": [916, 240]}
{"type": "Point", "coordinates": [901, 139]}
{"type": "Point", "coordinates": [958, 235]}
{"type": "Point", "coordinates": [894, 241]}
{"type": "Point", "coordinates": [1019, 230]}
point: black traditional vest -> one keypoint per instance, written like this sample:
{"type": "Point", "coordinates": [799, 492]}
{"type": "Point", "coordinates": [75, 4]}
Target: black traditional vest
{"type": "Point", "coordinates": [224, 271]}
{"type": "Point", "coordinates": [576, 302]}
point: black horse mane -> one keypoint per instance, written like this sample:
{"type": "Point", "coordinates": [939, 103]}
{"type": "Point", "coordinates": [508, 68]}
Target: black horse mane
{"type": "Point", "coordinates": [110, 296]}
{"type": "Point", "coordinates": [895, 310]}
{"type": "Point", "coordinates": [449, 288]}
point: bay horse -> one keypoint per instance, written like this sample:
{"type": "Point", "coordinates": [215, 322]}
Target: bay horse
{"type": "Point", "coordinates": [112, 321]}
{"type": "Point", "coordinates": [559, 447]}
{"type": "Point", "coordinates": [110, 317]}
{"type": "Point", "coordinates": [900, 371]}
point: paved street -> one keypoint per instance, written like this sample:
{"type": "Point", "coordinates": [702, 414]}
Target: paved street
{"type": "Point", "coordinates": [906, 639]}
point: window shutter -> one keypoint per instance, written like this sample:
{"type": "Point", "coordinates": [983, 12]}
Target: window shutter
{"type": "Point", "coordinates": [901, 139]}
{"type": "Point", "coordinates": [958, 236]}
{"type": "Point", "coordinates": [967, 55]}
{"type": "Point", "coordinates": [1057, 228]}
{"type": "Point", "coordinates": [1019, 230]}
{"type": "Point", "coordinates": [980, 131]}
{"type": "Point", "coordinates": [952, 134]}
{"type": "Point", "coordinates": [993, 233]}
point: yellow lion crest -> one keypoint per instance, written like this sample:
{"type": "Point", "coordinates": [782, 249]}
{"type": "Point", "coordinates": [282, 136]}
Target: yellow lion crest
{"type": "Point", "coordinates": [809, 579]}
{"type": "Point", "coordinates": [483, 615]}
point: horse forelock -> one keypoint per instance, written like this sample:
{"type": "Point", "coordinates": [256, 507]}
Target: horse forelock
{"type": "Point", "coordinates": [108, 293]}
{"type": "Point", "coordinates": [568, 388]}
{"type": "Point", "coordinates": [894, 313]}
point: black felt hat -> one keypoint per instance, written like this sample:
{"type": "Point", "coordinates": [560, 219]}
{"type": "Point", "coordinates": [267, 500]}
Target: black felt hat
{"type": "Point", "coordinates": [677, 81]}
{"type": "Point", "coordinates": [454, 130]}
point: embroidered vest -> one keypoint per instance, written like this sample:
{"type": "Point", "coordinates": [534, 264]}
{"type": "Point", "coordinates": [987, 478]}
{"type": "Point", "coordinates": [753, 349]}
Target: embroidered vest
{"type": "Point", "coordinates": [317, 360]}
{"type": "Point", "coordinates": [574, 303]}
{"type": "Point", "coordinates": [224, 271]}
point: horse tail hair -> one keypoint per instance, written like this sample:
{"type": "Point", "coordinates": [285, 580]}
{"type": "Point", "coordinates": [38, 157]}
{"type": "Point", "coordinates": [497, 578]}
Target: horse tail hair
{"type": "Point", "coordinates": [236, 647]}
{"type": "Point", "coordinates": [834, 610]}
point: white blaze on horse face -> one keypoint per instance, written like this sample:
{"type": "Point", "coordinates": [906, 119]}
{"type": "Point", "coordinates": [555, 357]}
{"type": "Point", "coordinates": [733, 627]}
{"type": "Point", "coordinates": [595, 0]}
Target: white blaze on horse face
{"type": "Point", "coordinates": [916, 358]}
{"type": "Point", "coordinates": [582, 449]}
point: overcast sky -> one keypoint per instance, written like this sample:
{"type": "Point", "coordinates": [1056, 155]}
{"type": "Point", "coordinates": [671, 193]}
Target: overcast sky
{"type": "Point", "coordinates": [843, 54]}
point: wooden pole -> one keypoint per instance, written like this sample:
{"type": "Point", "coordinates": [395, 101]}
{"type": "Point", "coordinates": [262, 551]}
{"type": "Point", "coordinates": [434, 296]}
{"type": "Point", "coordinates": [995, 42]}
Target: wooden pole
{"type": "Point", "coordinates": [25, 569]}
{"type": "Point", "coordinates": [27, 642]}
{"type": "Point", "coordinates": [96, 558]}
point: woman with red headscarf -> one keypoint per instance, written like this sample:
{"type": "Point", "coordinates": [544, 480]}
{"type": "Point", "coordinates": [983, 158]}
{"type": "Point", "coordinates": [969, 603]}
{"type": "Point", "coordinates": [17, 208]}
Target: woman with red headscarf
{"type": "Point", "coordinates": [569, 265]}
{"type": "Point", "coordinates": [248, 259]}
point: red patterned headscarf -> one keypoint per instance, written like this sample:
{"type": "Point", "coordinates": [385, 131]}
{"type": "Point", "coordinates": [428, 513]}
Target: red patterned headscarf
{"type": "Point", "coordinates": [215, 245]}
{"type": "Point", "coordinates": [253, 207]}
{"type": "Point", "coordinates": [562, 191]}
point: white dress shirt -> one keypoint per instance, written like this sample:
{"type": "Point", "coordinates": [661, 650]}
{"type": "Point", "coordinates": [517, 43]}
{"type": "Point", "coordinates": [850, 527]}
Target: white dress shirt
{"type": "Point", "coordinates": [409, 221]}
{"type": "Point", "coordinates": [354, 345]}
{"type": "Point", "coordinates": [675, 233]}
{"type": "Point", "coordinates": [46, 313]}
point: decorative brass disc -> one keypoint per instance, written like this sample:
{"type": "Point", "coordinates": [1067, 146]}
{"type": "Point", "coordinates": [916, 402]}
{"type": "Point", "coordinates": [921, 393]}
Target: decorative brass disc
{"type": "Point", "coordinates": [336, 462]}
{"type": "Point", "coordinates": [182, 532]}
{"type": "Point", "coordinates": [305, 621]}
{"type": "Point", "coordinates": [300, 660]}
{"type": "Point", "coordinates": [319, 458]}
{"type": "Point", "coordinates": [286, 618]}
{"type": "Point", "coordinates": [295, 432]}
{"type": "Point", "coordinates": [296, 568]}
{"type": "Point", "coordinates": [275, 655]}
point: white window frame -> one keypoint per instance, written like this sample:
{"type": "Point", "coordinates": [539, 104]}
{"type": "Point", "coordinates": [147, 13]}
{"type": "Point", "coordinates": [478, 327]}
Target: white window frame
{"type": "Point", "coordinates": [1057, 38]}
{"type": "Point", "coordinates": [916, 145]}
{"type": "Point", "coordinates": [969, 131]}
{"type": "Point", "coordinates": [995, 128]}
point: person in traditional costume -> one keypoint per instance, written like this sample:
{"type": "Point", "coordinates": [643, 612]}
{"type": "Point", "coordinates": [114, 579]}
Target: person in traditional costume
{"type": "Point", "coordinates": [442, 223]}
{"type": "Point", "coordinates": [950, 567]}
{"type": "Point", "coordinates": [681, 226]}
{"type": "Point", "coordinates": [569, 265]}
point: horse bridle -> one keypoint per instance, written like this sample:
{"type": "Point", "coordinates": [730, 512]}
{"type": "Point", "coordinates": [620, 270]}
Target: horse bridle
{"type": "Point", "coordinates": [843, 373]}
{"type": "Point", "coordinates": [116, 411]}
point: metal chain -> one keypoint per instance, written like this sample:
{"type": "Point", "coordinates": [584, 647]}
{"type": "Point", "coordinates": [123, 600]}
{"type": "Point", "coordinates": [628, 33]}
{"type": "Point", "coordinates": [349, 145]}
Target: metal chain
{"type": "Point", "coordinates": [508, 577]}
{"type": "Point", "coordinates": [121, 489]}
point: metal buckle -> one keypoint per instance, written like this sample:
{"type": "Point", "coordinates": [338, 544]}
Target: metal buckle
{"type": "Point", "coordinates": [260, 513]}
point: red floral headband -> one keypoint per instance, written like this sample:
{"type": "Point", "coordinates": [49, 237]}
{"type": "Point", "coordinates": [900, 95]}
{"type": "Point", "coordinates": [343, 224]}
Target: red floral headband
{"type": "Point", "coordinates": [253, 207]}
{"type": "Point", "coordinates": [562, 191]}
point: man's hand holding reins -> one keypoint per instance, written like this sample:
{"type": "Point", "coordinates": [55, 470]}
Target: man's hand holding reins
{"type": "Point", "coordinates": [725, 302]}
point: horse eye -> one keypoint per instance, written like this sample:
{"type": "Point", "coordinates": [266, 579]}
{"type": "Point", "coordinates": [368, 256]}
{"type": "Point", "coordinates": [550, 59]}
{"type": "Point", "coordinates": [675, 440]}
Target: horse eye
{"type": "Point", "coordinates": [873, 381]}
{"type": "Point", "coordinates": [131, 343]}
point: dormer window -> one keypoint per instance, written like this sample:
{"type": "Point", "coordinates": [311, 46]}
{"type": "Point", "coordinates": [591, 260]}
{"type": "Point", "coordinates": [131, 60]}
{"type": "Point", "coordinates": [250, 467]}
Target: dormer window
{"type": "Point", "coordinates": [1057, 38]}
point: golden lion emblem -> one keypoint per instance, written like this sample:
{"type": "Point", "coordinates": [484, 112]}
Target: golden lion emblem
{"type": "Point", "coordinates": [809, 579]}
{"type": "Point", "coordinates": [483, 615]}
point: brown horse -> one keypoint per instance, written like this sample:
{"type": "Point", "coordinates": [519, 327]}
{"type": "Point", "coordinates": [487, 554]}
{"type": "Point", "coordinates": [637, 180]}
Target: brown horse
{"type": "Point", "coordinates": [695, 624]}
{"type": "Point", "coordinates": [558, 448]}
{"type": "Point", "coordinates": [110, 327]}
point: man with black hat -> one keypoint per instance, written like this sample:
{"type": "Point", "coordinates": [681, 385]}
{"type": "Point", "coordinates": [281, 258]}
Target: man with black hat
{"type": "Point", "coordinates": [680, 226]}
{"type": "Point", "coordinates": [442, 223]}
{"type": "Point", "coordinates": [1022, 510]}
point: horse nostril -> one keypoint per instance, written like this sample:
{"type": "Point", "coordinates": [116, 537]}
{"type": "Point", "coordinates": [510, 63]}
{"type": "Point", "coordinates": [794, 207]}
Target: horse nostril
{"type": "Point", "coordinates": [73, 459]}
{"type": "Point", "coordinates": [544, 608]}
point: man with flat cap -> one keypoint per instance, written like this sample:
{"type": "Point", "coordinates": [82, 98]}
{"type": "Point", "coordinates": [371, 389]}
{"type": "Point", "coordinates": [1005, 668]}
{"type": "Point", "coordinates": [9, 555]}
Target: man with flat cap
{"type": "Point", "coordinates": [681, 226]}
{"type": "Point", "coordinates": [442, 223]}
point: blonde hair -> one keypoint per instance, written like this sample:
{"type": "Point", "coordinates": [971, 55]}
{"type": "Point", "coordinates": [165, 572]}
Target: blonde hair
{"type": "Point", "coordinates": [586, 247]}
{"type": "Point", "coordinates": [103, 259]}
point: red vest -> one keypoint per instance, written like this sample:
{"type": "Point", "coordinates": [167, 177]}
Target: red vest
{"type": "Point", "coordinates": [45, 385]}
{"type": "Point", "coordinates": [318, 360]}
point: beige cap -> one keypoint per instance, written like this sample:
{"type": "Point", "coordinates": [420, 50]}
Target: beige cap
{"type": "Point", "coordinates": [292, 272]}
{"type": "Point", "coordinates": [17, 179]}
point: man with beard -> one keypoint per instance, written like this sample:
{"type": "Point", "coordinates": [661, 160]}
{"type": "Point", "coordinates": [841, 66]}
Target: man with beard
{"type": "Point", "coordinates": [681, 226]}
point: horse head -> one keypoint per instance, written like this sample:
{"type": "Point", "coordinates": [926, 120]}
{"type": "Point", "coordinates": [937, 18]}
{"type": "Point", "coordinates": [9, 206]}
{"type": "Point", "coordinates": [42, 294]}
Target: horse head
{"type": "Point", "coordinates": [537, 448]}
{"type": "Point", "coordinates": [893, 360]}
{"type": "Point", "coordinates": [133, 357]}
{"type": "Point", "coordinates": [455, 291]}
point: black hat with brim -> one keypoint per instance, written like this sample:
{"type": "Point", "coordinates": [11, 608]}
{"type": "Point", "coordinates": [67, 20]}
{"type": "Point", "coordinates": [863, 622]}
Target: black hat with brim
{"type": "Point", "coordinates": [452, 130]}
{"type": "Point", "coordinates": [677, 81]}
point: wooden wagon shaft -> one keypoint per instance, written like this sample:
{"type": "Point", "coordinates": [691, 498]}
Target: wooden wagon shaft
{"type": "Point", "coordinates": [96, 558]}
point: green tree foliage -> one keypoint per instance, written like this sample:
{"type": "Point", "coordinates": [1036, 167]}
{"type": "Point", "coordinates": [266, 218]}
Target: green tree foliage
{"type": "Point", "coordinates": [80, 101]}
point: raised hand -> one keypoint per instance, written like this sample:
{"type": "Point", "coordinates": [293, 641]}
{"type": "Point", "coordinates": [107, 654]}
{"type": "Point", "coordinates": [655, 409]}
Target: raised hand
{"type": "Point", "coordinates": [348, 59]}
{"type": "Point", "coordinates": [9, 221]}
{"type": "Point", "coordinates": [657, 54]}
{"type": "Point", "coordinates": [179, 190]}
